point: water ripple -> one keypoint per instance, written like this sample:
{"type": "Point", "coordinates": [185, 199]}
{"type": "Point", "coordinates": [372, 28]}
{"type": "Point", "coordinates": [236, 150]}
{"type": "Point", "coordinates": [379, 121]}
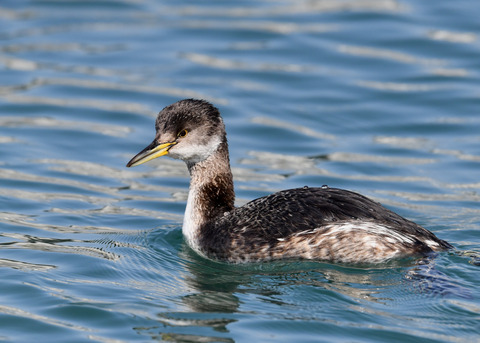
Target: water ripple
{"type": "Point", "coordinates": [13, 311]}
{"type": "Point", "coordinates": [47, 122]}
{"type": "Point", "coordinates": [46, 244]}
{"type": "Point", "coordinates": [25, 266]}
{"type": "Point", "coordinates": [400, 87]}
{"type": "Point", "coordinates": [377, 96]}
{"type": "Point", "coordinates": [21, 64]}
{"type": "Point", "coordinates": [264, 26]}
{"type": "Point", "coordinates": [295, 7]}
{"type": "Point", "coordinates": [100, 85]}
{"type": "Point", "coordinates": [453, 37]}
{"type": "Point", "coordinates": [389, 55]}
{"type": "Point", "coordinates": [223, 63]}
{"type": "Point", "coordinates": [292, 127]}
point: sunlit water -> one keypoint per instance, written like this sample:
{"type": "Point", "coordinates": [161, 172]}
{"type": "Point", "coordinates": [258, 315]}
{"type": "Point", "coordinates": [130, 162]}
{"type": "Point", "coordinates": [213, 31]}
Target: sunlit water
{"type": "Point", "coordinates": [380, 97]}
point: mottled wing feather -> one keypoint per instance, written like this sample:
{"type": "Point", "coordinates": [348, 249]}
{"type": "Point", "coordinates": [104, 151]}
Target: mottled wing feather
{"type": "Point", "coordinates": [281, 214]}
{"type": "Point", "coordinates": [264, 222]}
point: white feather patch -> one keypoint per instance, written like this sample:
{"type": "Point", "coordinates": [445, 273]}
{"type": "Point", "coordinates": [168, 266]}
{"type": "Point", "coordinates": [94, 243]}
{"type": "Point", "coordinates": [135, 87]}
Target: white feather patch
{"type": "Point", "coordinates": [195, 153]}
{"type": "Point", "coordinates": [369, 227]}
{"type": "Point", "coordinates": [191, 221]}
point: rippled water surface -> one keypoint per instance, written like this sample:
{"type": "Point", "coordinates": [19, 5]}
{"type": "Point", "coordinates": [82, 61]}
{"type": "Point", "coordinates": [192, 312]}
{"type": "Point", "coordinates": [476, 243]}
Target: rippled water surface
{"type": "Point", "coordinates": [377, 96]}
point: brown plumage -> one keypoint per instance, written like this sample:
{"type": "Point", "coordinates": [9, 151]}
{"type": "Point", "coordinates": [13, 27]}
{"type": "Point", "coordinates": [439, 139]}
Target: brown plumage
{"type": "Point", "coordinates": [323, 223]}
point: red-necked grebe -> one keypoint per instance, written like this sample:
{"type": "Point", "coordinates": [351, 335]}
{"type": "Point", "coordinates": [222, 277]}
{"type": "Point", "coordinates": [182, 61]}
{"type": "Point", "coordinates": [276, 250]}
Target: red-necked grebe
{"type": "Point", "coordinates": [325, 224]}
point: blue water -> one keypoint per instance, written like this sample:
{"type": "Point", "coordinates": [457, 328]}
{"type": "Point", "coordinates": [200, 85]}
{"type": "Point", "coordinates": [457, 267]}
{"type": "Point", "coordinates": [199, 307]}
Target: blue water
{"type": "Point", "coordinates": [380, 97]}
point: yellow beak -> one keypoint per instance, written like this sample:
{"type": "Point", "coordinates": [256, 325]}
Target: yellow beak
{"type": "Point", "coordinates": [150, 152]}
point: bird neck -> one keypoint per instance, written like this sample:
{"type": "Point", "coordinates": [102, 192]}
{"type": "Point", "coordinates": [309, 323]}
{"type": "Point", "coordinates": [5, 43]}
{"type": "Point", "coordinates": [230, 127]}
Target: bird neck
{"type": "Point", "coordinates": [211, 192]}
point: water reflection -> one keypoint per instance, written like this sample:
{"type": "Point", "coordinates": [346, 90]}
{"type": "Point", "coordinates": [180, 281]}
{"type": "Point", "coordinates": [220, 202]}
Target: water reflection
{"type": "Point", "coordinates": [157, 333]}
{"type": "Point", "coordinates": [221, 289]}
{"type": "Point", "coordinates": [209, 277]}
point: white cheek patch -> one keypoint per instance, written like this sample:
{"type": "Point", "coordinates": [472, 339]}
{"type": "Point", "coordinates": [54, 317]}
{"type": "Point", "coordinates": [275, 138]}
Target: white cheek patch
{"type": "Point", "coordinates": [194, 153]}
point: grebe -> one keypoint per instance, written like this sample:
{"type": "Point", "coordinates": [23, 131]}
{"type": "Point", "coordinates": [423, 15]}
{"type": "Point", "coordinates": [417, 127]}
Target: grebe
{"type": "Point", "coordinates": [324, 224]}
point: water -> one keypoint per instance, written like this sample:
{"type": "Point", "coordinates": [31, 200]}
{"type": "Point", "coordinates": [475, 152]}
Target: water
{"type": "Point", "coordinates": [380, 97]}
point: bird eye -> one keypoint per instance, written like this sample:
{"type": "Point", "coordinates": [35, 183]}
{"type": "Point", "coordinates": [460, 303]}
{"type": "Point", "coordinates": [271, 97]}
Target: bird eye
{"type": "Point", "coordinates": [182, 133]}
